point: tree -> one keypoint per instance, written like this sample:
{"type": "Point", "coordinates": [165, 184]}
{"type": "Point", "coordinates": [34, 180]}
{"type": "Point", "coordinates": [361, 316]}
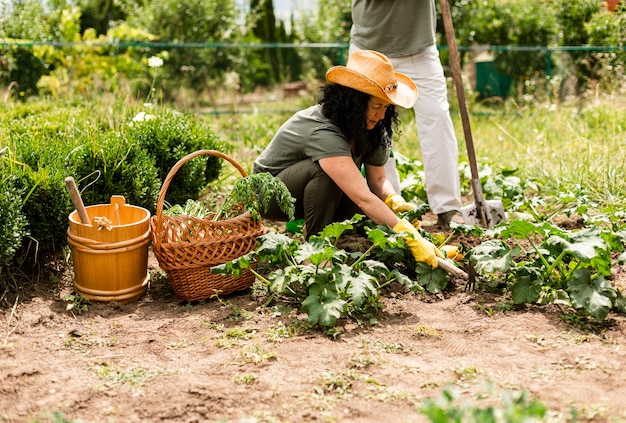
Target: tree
{"type": "Point", "coordinates": [264, 29]}
{"type": "Point", "coordinates": [192, 21]}
{"type": "Point", "coordinates": [572, 16]}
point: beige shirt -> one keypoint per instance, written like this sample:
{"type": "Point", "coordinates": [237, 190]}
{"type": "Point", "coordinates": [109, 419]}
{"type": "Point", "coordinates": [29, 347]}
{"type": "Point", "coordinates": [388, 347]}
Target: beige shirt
{"type": "Point", "coordinates": [396, 28]}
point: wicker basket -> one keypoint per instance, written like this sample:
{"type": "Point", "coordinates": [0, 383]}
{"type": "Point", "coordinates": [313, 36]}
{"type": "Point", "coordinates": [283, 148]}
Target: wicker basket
{"type": "Point", "coordinates": [187, 247]}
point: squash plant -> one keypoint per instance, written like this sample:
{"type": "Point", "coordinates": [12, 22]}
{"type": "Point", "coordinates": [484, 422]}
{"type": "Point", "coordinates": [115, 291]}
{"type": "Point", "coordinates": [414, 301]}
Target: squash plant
{"type": "Point", "coordinates": [328, 282]}
{"type": "Point", "coordinates": [543, 264]}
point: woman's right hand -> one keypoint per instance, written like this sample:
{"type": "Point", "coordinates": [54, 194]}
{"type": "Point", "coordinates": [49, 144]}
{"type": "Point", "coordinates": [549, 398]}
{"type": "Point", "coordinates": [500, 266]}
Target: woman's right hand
{"type": "Point", "coordinates": [423, 250]}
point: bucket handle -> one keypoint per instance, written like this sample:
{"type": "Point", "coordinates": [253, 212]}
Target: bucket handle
{"type": "Point", "coordinates": [172, 173]}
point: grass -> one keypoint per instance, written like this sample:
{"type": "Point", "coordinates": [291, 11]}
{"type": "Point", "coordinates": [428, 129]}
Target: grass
{"type": "Point", "coordinates": [564, 147]}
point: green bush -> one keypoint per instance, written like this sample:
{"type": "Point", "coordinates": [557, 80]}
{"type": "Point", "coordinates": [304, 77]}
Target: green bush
{"type": "Point", "coordinates": [20, 68]}
{"type": "Point", "coordinates": [516, 23]}
{"type": "Point", "coordinates": [46, 209]}
{"type": "Point", "coordinates": [168, 138]}
{"type": "Point", "coordinates": [572, 16]}
{"type": "Point", "coordinates": [609, 29]}
{"type": "Point", "coordinates": [115, 165]}
{"type": "Point", "coordinates": [12, 221]}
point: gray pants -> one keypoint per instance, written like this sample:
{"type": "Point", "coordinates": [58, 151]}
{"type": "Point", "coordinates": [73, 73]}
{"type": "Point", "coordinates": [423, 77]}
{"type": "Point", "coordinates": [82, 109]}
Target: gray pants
{"type": "Point", "coordinates": [319, 201]}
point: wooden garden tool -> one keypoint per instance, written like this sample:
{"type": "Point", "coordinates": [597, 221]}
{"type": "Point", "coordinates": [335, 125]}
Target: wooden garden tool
{"type": "Point", "coordinates": [487, 213]}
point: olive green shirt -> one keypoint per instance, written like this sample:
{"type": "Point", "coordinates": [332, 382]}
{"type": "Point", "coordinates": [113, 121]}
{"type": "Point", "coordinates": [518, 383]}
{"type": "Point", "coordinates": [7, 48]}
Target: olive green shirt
{"type": "Point", "coordinates": [308, 134]}
{"type": "Point", "coordinates": [396, 28]}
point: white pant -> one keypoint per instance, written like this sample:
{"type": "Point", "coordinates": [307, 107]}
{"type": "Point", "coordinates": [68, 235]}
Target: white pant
{"type": "Point", "coordinates": [440, 151]}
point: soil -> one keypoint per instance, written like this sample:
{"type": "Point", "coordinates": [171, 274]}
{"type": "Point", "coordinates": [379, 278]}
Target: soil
{"type": "Point", "coordinates": [234, 360]}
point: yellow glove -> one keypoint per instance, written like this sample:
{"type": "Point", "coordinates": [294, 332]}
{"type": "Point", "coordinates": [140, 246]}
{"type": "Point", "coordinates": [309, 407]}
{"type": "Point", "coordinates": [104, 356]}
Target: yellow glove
{"type": "Point", "coordinates": [397, 204]}
{"type": "Point", "coordinates": [423, 250]}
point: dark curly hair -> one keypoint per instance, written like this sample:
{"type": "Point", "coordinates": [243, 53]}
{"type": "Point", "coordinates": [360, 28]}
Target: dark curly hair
{"type": "Point", "coordinates": [347, 108]}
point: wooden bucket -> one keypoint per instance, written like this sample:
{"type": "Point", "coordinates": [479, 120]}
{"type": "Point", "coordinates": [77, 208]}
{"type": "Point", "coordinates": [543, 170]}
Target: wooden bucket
{"type": "Point", "coordinates": [110, 255]}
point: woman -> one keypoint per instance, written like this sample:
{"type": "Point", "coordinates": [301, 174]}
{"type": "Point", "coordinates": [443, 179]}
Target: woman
{"type": "Point", "coordinates": [318, 152]}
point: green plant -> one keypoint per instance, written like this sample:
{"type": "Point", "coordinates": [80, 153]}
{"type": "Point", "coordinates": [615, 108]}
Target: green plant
{"type": "Point", "coordinates": [330, 283]}
{"type": "Point", "coordinates": [76, 303]}
{"type": "Point", "coordinates": [546, 264]}
{"type": "Point", "coordinates": [167, 138]}
{"type": "Point", "coordinates": [256, 355]}
{"type": "Point", "coordinates": [116, 166]}
{"type": "Point", "coordinates": [607, 29]}
{"type": "Point", "coordinates": [573, 16]}
{"type": "Point", "coordinates": [12, 221]}
{"type": "Point", "coordinates": [515, 406]}
{"type": "Point", "coordinates": [190, 208]}
{"type": "Point", "coordinates": [115, 375]}
{"type": "Point", "coordinates": [512, 23]}
{"type": "Point", "coordinates": [337, 383]}
{"type": "Point", "coordinates": [254, 193]}
{"type": "Point", "coordinates": [46, 208]}
{"type": "Point", "coordinates": [247, 379]}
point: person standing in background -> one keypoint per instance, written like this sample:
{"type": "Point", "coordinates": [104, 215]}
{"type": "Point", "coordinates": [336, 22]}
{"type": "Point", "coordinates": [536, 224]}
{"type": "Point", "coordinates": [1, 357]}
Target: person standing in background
{"type": "Point", "coordinates": [404, 31]}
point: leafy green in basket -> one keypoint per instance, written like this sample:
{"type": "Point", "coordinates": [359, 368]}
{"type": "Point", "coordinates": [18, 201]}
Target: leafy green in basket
{"type": "Point", "coordinates": [190, 208]}
{"type": "Point", "coordinates": [254, 193]}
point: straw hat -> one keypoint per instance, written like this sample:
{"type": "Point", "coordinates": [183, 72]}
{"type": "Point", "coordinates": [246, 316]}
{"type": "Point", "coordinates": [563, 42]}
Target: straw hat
{"type": "Point", "coordinates": [371, 72]}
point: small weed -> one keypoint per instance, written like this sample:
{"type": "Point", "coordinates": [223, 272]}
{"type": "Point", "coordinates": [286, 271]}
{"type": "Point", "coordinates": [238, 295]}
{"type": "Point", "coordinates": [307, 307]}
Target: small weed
{"type": "Point", "coordinates": [178, 345]}
{"type": "Point", "coordinates": [248, 379]}
{"type": "Point", "coordinates": [79, 342]}
{"type": "Point", "coordinates": [239, 333]}
{"type": "Point", "coordinates": [219, 327]}
{"type": "Point", "coordinates": [134, 377]}
{"type": "Point", "coordinates": [225, 342]}
{"type": "Point", "coordinates": [278, 332]}
{"type": "Point", "coordinates": [236, 313]}
{"type": "Point", "coordinates": [232, 337]}
{"type": "Point", "coordinates": [488, 310]}
{"type": "Point", "coordinates": [387, 346]}
{"type": "Point", "coordinates": [56, 417]}
{"type": "Point", "coordinates": [425, 331]}
{"type": "Point", "coordinates": [515, 407]}
{"type": "Point", "coordinates": [468, 373]}
{"type": "Point", "coordinates": [256, 355]}
{"type": "Point", "coordinates": [336, 383]}
{"type": "Point", "coordinates": [385, 394]}
{"type": "Point", "coordinates": [333, 332]}
{"type": "Point", "coordinates": [159, 279]}
{"type": "Point", "coordinates": [429, 385]}
{"type": "Point", "coordinates": [77, 303]}
{"type": "Point", "coordinates": [362, 361]}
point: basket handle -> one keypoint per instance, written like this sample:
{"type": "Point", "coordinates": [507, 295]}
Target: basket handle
{"type": "Point", "coordinates": [172, 173]}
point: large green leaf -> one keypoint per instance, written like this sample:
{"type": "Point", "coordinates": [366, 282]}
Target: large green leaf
{"type": "Point", "coordinates": [522, 229]}
{"type": "Point", "coordinates": [492, 256]}
{"type": "Point", "coordinates": [318, 252]}
{"type": "Point", "coordinates": [433, 280]}
{"type": "Point", "coordinates": [526, 290]}
{"type": "Point", "coordinates": [360, 287]}
{"type": "Point", "coordinates": [324, 310]}
{"type": "Point", "coordinates": [585, 244]}
{"type": "Point", "coordinates": [589, 294]}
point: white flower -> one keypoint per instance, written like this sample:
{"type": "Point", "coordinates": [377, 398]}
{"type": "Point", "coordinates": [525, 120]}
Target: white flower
{"type": "Point", "coordinates": [143, 116]}
{"type": "Point", "coordinates": [155, 62]}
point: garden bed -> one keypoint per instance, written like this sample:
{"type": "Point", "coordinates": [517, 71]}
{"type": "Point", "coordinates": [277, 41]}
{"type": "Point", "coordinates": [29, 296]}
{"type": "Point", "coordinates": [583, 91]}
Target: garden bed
{"type": "Point", "coordinates": [231, 359]}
